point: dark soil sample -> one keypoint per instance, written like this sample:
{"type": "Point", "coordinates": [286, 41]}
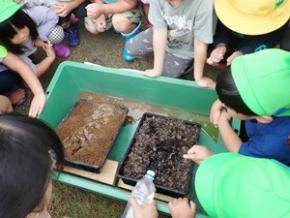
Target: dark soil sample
{"type": "Point", "coordinates": [159, 145]}
{"type": "Point", "coordinates": [89, 131]}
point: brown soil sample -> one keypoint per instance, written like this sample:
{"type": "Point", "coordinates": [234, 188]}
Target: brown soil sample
{"type": "Point", "coordinates": [90, 130]}
{"type": "Point", "coordinates": [159, 145]}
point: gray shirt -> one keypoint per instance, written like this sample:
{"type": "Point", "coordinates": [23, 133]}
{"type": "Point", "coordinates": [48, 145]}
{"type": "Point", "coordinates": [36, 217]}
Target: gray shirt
{"type": "Point", "coordinates": [191, 19]}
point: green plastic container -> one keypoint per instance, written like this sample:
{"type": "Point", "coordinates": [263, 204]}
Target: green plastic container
{"type": "Point", "coordinates": [71, 78]}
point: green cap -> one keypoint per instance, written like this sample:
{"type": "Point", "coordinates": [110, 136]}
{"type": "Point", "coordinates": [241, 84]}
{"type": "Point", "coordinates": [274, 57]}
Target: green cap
{"type": "Point", "coordinates": [263, 81]}
{"type": "Point", "coordinates": [3, 52]}
{"type": "Point", "coordinates": [8, 8]}
{"type": "Point", "coordinates": [232, 185]}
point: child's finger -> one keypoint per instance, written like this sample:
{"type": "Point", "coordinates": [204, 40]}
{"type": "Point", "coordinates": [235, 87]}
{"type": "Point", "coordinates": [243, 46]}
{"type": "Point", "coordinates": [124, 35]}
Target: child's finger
{"type": "Point", "coordinates": [192, 205]}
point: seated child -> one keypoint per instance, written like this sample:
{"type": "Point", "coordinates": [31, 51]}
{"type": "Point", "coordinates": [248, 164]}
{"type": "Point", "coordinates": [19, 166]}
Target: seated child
{"type": "Point", "coordinates": [29, 151]}
{"type": "Point", "coordinates": [19, 35]}
{"type": "Point", "coordinates": [16, 32]}
{"type": "Point", "coordinates": [225, 185]}
{"type": "Point", "coordinates": [239, 33]}
{"type": "Point", "coordinates": [181, 31]}
{"type": "Point", "coordinates": [258, 93]}
{"type": "Point", "coordinates": [46, 21]}
{"type": "Point", "coordinates": [123, 15]}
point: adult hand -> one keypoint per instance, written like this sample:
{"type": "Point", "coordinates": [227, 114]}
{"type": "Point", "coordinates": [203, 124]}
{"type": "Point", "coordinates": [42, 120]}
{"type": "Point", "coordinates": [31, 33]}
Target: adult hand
{"type": "Point", "coordinates": [37, 105]}
{"type": "Point", "coordinates": [94, 10]}
{"type": "Point", "coordinates": [198, 153]}
{"type": "Point", "coordinates": [182, 208]}
{"type": "Point", "coordinates": [149, 210]}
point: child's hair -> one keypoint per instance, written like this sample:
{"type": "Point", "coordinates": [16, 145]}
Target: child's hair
{"type": "Point", "coordinates": [26, 149]}
{"type": "Point", "coordinates": [7, 31]}
{"type": "Point", "coordinates": [229, 94]}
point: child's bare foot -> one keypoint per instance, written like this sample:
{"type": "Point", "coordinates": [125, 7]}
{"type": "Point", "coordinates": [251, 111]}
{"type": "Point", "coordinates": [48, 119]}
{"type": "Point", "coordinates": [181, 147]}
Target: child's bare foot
{"type": "Point", "coordinates": [217, 54]}
{"type": "Point", "coordinates": [17, 96]}
{"type": "Point", "coordinates": [205, 82]}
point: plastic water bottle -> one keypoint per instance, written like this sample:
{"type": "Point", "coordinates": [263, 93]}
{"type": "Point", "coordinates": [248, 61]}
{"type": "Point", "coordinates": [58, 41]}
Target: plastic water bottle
{"type": "Point", "coordinates": [143, 193]}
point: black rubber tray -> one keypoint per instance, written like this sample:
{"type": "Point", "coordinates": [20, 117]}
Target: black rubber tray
{"type": "Point", "coordinates": [91, 167]}
{"type": "Point", "coordinates": [160, 189]}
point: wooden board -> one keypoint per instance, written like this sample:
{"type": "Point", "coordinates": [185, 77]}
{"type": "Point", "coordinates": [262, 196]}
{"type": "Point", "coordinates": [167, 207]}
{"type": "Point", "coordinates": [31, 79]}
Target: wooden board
{"type": "Point", "coordinates": [107, 174]}
{"type": "Point", "coordinates": [157, 196]}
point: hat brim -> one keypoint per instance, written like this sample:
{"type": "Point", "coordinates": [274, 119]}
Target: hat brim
{"type": "Point", "coordinates": [205, 180]}
{"type": "Point", "coordinates": [11, 9]}
{"type": "Point", "coordinates": [250, 25]}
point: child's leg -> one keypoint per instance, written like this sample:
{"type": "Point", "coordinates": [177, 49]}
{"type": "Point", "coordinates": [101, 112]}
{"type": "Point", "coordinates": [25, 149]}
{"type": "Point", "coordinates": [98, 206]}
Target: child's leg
{"type": "Point", "coordinates": [129, 25]}
{"type": "Point", "coordinates": [10, 83]}
{"type": "Point", "coordinates": [127, 21]}
{"type": "Point", "coordinates": [175, 66]}
{"type": "Point", "coordinates": [141, 44]}
{"type": "Point", "coordinates": [5, 104]}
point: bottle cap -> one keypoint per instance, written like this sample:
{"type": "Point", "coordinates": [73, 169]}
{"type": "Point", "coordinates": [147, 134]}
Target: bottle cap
{"type": "Point", "coordinates": [150, 174]}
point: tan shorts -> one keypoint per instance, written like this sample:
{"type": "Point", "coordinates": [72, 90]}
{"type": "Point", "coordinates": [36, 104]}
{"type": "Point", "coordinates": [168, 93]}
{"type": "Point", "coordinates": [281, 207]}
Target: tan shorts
{"type": "Point", "coordinates": [134, 15]}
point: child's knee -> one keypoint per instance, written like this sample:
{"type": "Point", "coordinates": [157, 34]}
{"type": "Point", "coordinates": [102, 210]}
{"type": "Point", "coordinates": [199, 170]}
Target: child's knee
{"type": "Point", "coordinates": [91, 26]}
{"type": "Point", "coordinates": [5, 104]}
{"type": "Point", "coordinates": [122, 24]}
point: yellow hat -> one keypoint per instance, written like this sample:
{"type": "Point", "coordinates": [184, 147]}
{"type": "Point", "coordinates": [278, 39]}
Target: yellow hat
{"type": "Point", "coordinates": [253, 17]}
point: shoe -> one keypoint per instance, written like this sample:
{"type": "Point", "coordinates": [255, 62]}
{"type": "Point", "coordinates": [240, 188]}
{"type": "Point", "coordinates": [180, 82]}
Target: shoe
{"type": "Point", "coordinates": [72, 36]}
{"type": "Point", "coordinates": [126, 38]}
{"type": "Point", "coordinates": [61, 50]}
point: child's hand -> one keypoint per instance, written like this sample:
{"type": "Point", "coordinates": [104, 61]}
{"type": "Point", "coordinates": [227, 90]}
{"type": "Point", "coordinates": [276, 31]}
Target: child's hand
{"type": "Point", "coordinates": [151, 73]}
{"type": "Point", "coordinates": [205, 82]}
{"type": "Point", "coordinates": [48, 48]}
{"type": "Point", "coordinates": [198, 153]}
{"type": "Point", "coordinates": [233, 56]}
{"type": "Point", "coordinates": [101, 23]}
{"type": "Point", "coordinates": [215, 112]}
{"type": "Point", "coordinates": [62, 9]}
{"type": "Point", "coordinates": [182, 208]}
{"type": "Point", "coordinates": [39, 43]}
{"type": "Point", "coordinates": [224, 117]}
{"type": "Point", "coordinates": [217, 54]}
{"type": "Point", "coordinates": [94, 10]}
{"type": "Point", "coordinates": [37, 104]}
{"type": "Point", "coordinates": [148, 211]}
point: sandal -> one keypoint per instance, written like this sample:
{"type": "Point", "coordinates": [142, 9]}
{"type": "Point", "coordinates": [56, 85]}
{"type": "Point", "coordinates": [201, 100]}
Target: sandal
{"type": "Point", "coordinates": [61, 50]}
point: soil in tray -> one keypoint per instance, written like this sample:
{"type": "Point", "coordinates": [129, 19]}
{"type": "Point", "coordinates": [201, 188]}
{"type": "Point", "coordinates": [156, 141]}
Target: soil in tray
{"type": "Point", "coordinates": [89, 131]}
{"type": "Point", "coordinates": [159, 145]}
{"type": "Point", "coordinates": [137, 109]}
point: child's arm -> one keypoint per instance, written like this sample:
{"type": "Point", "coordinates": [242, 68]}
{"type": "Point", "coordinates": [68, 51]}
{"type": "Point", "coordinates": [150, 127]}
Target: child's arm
{"type": "Point", "coordinates": [231, 140]}
{"type": "Point", "coordinates": [159, 44]}
{"type": "Point", "coordinates": [94, 10]}
{"type": "Point", "coordinates": [46, 62]}
{"type": "Point", "coordinates": [16, 64]}
{"type": "Point", "coordinates": [200, 55]}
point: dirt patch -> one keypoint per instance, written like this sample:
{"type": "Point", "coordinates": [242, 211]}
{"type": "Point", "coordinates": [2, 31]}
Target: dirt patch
{"type": "Point", "coordinates": [89, 131]}
{"type": "Point", "coordinates": [159, 145]}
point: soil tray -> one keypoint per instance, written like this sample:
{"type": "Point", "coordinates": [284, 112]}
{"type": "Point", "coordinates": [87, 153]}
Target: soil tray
{"type": "Point", "coordinates": [159, 144]}
{"type": "Point", "coordinates": [89, 132]}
